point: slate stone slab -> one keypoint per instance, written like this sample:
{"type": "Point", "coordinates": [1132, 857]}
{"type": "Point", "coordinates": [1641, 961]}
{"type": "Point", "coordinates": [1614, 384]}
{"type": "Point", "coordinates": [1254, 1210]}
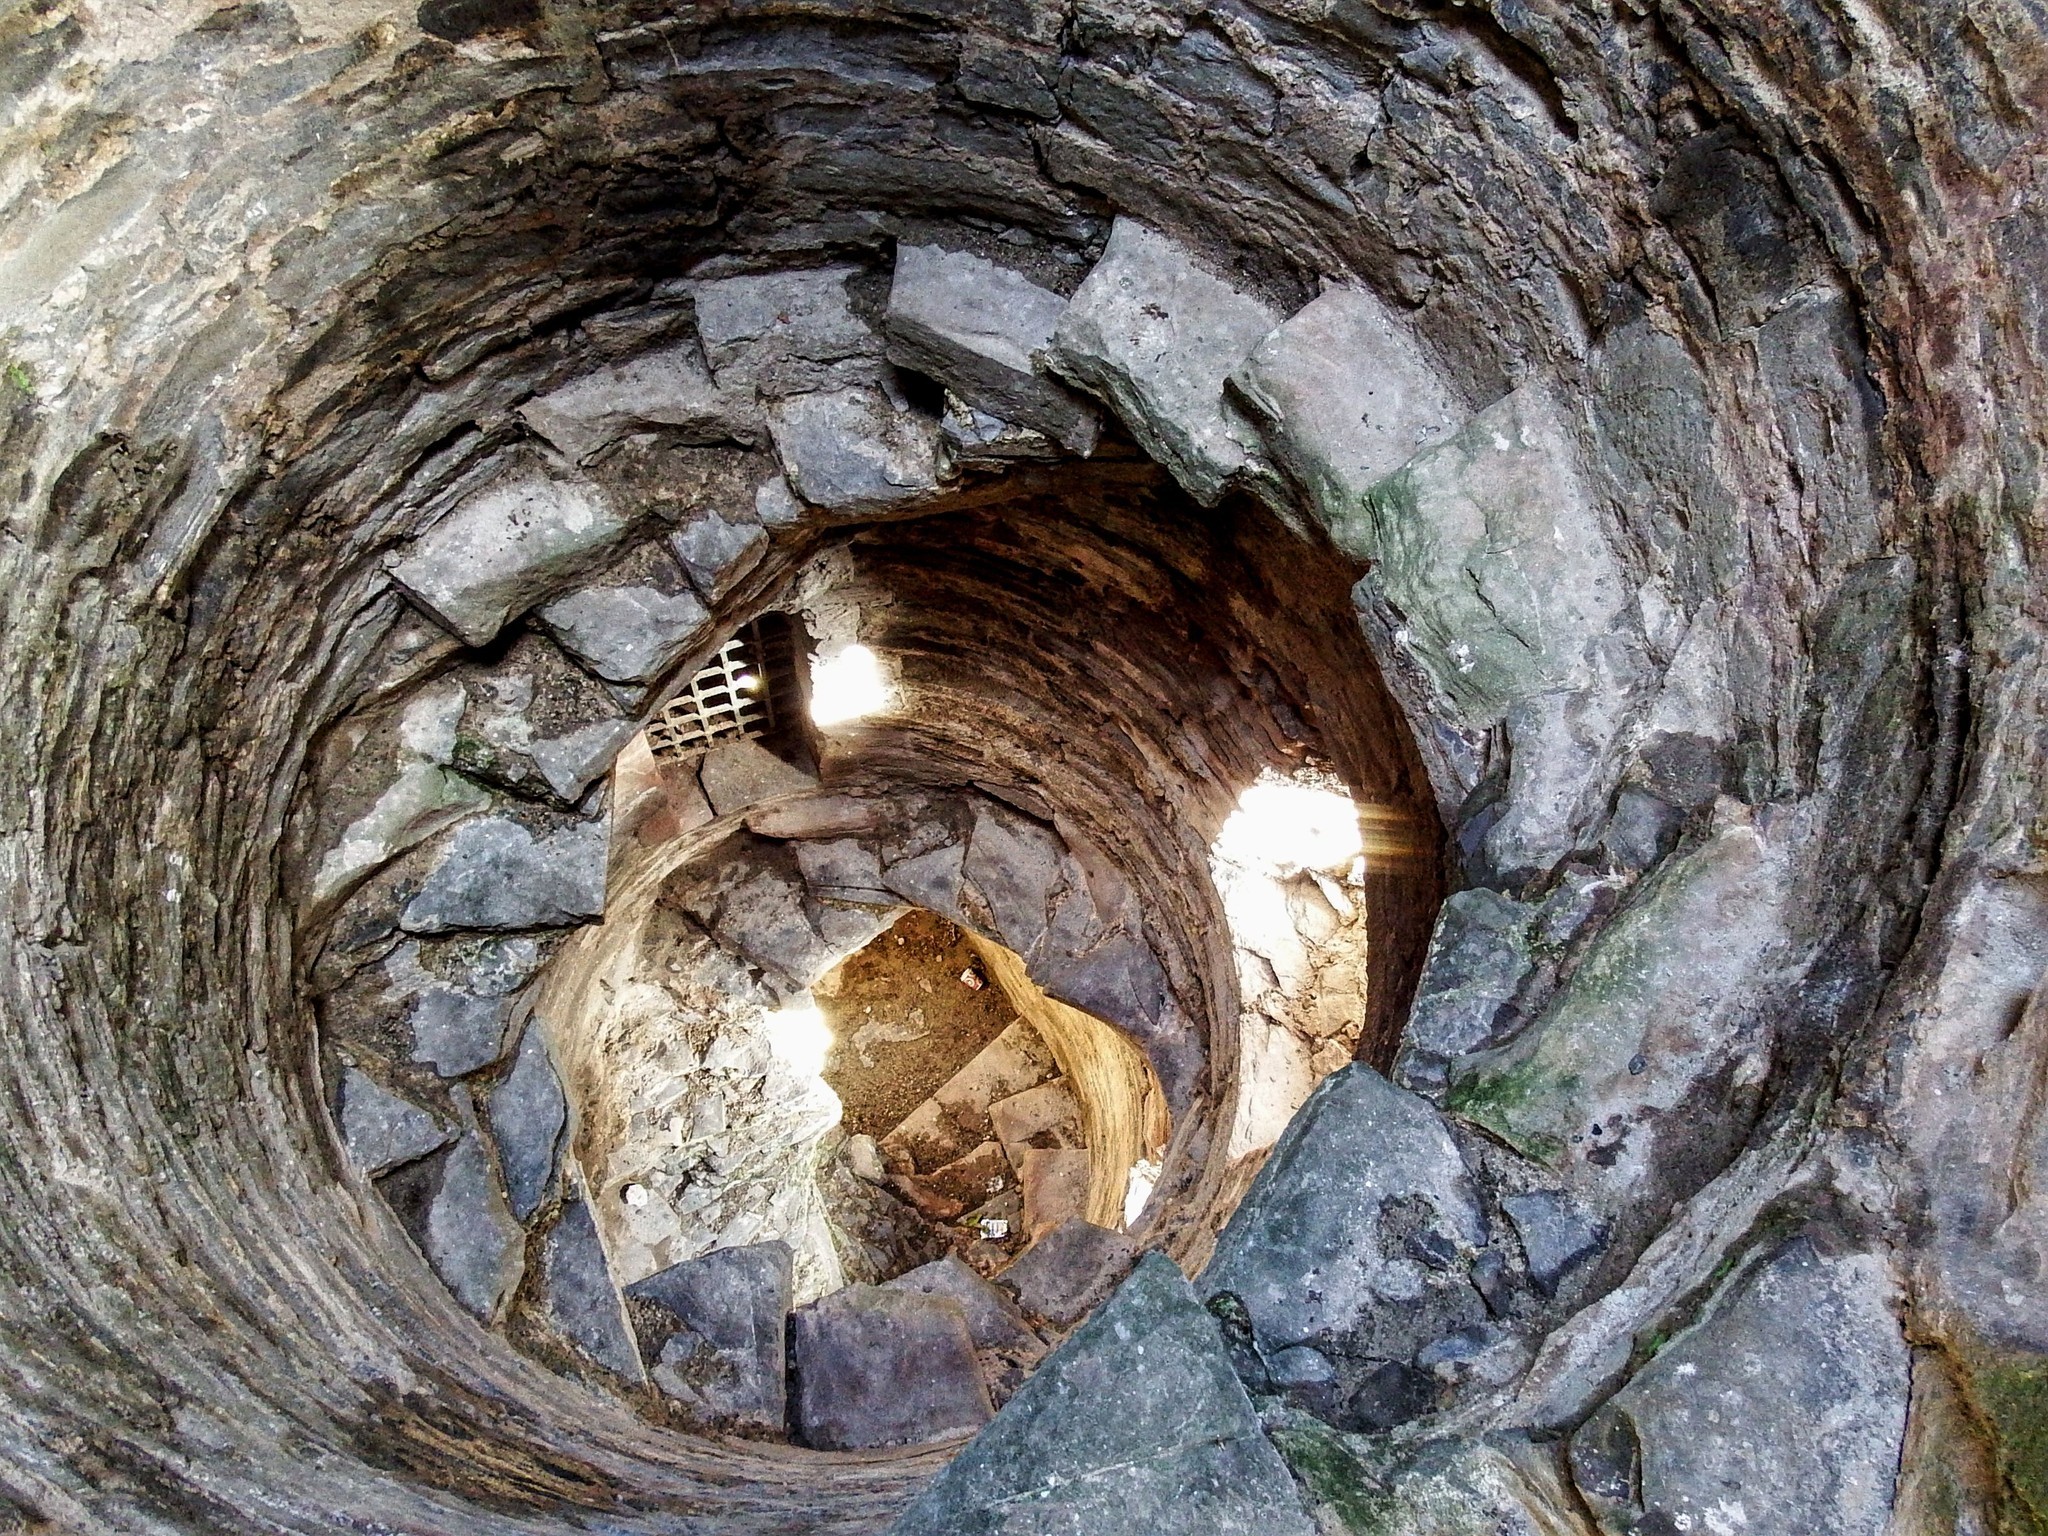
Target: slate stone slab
{"type": "Point", "coordinates": [462, 1006]}
{"type": "Point", "coordinates": [580, 1298]}
{"type": "Point", "coordinates": [978, 328]}
{"type": "Point", "coordinates": [455, 1212]}
{"type": "Point", "coordinates": [1359, 1230]}
{"type": "Point", "coordinates": [851, 450]}
{"type": "Point", "coordinates": [669, 388]}
{"type": "Point", "coordinates": [382, 1130]}
{"type": "Point", "coordinates": [1477, 958]}
{"type": "Point", "coordinates": [743, 773]}
{"type": "Point", "coordinates": [1156, 336]}
{"type": "Point", "coordinates": [784, 332]}
{"type": "Point", "coordinates": [717, 553]}
{"type": "Point", "coordinates": [1068, 1270]}
{"type": "Point", "coordinates": [496, 875]}
{"type": "Point", "coordinates": [528, 1113]}
{"type": "Point", "coordinates": [1780, 1414]}
{"type": "Point", "coordinates": [1345, 394]}
{"type": "Point", "coordinates": [423, 799]}
{"type": "Point", "coordinates": [626, 634]}
{"type": "Point", "coordinates": [1653, 1019]}
{"type": "Point", "coordinates": [712, 1328]}
{"type": "Point", "coordinates": [878, 1367]}
{"type": "Point", "coordinates": [1136, 1426]}
{"type": "Point", "coordinates": [505, 548]}
{"type": "Point", "coordinates": [993, 1321]}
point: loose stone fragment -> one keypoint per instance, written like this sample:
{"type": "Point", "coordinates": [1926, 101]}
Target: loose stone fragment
{"type": "Point", "coordinates": [1069, 1270]}
{"type": "Point", "coordinates": [505, 548]}
{"type": "Point", "coordinates": [978, 328]}
{"type": "Point", "coordinates": [580, 1298]}
{"type": "Point", "coordinates": [1136, 1426]}
{"type": "Point", "coordinates": [380, 1129]}
{"type": "Point", "coordinates": [496, 874]}
{"type": "Point", "coordinates": [878, 1367]}
{"type": "Point", "coordinates": [1156, 336]}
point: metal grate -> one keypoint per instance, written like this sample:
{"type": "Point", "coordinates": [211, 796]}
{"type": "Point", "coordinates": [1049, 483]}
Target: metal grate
{"type": "Point", "coordinates": [728, 700]}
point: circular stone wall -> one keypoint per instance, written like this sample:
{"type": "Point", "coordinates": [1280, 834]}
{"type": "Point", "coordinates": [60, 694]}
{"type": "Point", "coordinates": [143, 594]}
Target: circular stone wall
{"type": "Point", "coordinates": [1610, 438]}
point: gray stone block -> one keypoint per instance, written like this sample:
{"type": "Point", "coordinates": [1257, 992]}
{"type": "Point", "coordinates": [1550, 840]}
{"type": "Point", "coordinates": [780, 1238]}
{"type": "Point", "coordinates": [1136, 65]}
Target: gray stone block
{"type": "Point", "coordinates": [452, 1206]}
{"type": "Point", "coordinates": [528, 1113]}
{"type": "Point", "coordinates": [993, 1321]}
{"type": "Point", "coordinates": [851, 450]}
{"type": "Point", "coordinates": [669, 389]}
{"type": "Point", "coordinates": [1555, 1234]}
{"type": "Point", "coordinates": [382, 1130]}
{"type": "Point", "coordinates": [713, 1330]}
{"type": "Point", "coordinates": [1781, 1413]}
{"type": "Point", "coordinates": [878, 1367]}
{"type": "Point", "coordinates": [1477, 958]}
{"type": "Point", "coordinates": [978, 328]}
{"type": "Point", "coordinates": [784, 332]}
{"type": "Point", "coordinates": [496, 875]}
{"type": "Point", "coordinates": [1136, 1426]}
{"type": "Point", "coordinates": [743, 773]}
{"type": "Point", "coordinates": [1069, 1270]}
{"type": "Point", "coordinates": [505, 548]}
{"type": "Point", "coordinates": [579, 1297]}
{"type": "Point", "coordinates": [1360, 1229]}
{"type": "Point", "coordinates": [1156, 336]}
{"type": "Point", "coordinates": [462, 1005]}
{"type": "Point", "coordinates": [626, 634]}
{"type": "Point", "coordinates": [1345, 395]}
{"type": "Point", "coordinates": [717, 553]}
{"type": "Point", "coordinates": [1016, 866]}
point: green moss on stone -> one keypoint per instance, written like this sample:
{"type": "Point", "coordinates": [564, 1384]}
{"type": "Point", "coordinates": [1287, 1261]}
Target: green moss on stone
{"type": "Point", "coordinates": [2014, 1399]}
{"type": "Point", "coordinates": [17, 374]}
{"type": "Point", "coordinates": [1335, 1477]}
{"type": "Point", "coordinates": [1492, 1100]}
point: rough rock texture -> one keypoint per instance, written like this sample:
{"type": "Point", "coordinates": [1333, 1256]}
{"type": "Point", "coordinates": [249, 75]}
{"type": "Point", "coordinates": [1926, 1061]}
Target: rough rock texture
{"type": "Point", "coordinates": [979, 329]}
{"type": "Point", "coordinates": [1722, 608]}
{"type": "Point", "coordinates": [877, 1367]}
{"type": "Point", "coordinates": [1359, 1232]}
{"type": "Point", "coordinates": [712, 1331]}
{"type": "Point", "coordinates": [1135, 1424]}
{"type": "Point", "coordinates": [1157, 336]}
{"type": "Point", "coordinates": [1782, 1411]}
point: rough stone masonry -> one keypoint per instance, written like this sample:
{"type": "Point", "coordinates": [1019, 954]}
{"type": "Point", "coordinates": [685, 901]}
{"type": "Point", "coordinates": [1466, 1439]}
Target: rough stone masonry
{"type": "Point", "coordinates": [1605, 442]}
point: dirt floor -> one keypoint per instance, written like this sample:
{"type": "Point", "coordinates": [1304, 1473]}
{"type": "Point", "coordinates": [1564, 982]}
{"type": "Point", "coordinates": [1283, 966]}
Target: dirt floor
{"type": "Point", "coordinates": [903, 1021]}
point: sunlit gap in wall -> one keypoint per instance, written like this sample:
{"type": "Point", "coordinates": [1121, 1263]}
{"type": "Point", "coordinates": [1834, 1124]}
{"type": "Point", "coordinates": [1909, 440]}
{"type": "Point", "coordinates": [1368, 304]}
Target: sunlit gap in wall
{"type": "Point", "coordinates": [1288, 825]}
{"type": "Point", "coordinates": [848, 685]}
{"type": "Point", "coordinates": [799, 1037]}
